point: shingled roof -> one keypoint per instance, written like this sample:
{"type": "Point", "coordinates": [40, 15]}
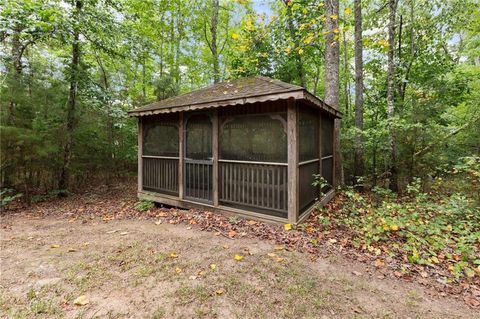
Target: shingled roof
{"type": "Point", "coordinates": [234, 92]}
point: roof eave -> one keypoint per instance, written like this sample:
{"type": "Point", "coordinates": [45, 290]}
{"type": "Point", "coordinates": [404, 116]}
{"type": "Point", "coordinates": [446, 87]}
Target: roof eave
{"type": "Point", "coordinates": [298, 94]}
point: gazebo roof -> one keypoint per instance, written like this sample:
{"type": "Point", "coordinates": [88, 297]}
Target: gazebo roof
{"type": "Point", "coordinates": [234, 92]}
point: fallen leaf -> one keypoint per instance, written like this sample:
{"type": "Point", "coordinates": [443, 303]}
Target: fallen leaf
{"type": "Point", "coordinates": [71, 250]}
{"type": "Point", "coordinates": [232, 233]}
{"type": "Point", "coordinates": [173, 255]}
{"type": "Point", "coordinates": [272, 255]}
{"type": "Point", "coordinates": [189, 227]}
{"type": "Point", "coordinates": [379, 263]}
{"type": "Point", "coordinates": [472, 302]}
{"type": "Point", "coordinates": [280, 259]}
{"type": "Point", "coordinates": [54, 246]}
{"type": "Point", "coordinates": [178, 270]}
{"type": "Point", "coordinates": [278, 247]}
{"type": "Point", "coordinates": [238, 257]}
{"type": "Point", "coordinates": [158, 222]}
{"type": "Point", "coordinates": [213, 267]}
{"type": "Point", "coordinates": [252, 222]}
{"type": "Point", "coordinates": [394, 227]}
{"type": "Point", "coordinates": [332, 240]}
{"type": "Point", "coordinates": [226, 246]}
{"type": "Point", "coordinates": [220, 291]}
{"type": "Point", "coordinates": [81, 301]}
{"type": "Point", "coordinates": [287, 227]}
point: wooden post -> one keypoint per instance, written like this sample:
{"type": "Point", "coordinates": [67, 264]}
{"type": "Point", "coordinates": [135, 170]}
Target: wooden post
{"type": "Point", "coordinates": [140, 153]}
{"type": "Point", "coordinates": [215, 143]}
{"type": "Point", "coordinates": [180, 154]}
{"type": "Point", "coordinates": [320, 148]}
{"type": "Point", "coordinates": [292, 134]}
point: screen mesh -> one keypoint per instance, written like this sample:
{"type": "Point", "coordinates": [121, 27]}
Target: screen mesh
{"type": "Point", "coordinates": [199, 137]}
{"type": "Point", "coordinates": [161, 138]}
{"type": "Point", "coordinates": [308, 135]}
{"type": "Point", "coordinates": [327, 136]}
{"type": "Point", "coordinates": [254, 138]}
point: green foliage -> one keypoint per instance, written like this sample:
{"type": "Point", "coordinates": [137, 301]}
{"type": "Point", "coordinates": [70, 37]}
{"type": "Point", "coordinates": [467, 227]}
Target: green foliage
{"type": "Point", "coordinates": [422, 229]}
{"type": "Point", "coordinates": [144, 205]}
{"type": "Point", "coordinates": [8, 195]}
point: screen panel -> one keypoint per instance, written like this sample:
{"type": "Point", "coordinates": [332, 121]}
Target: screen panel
{"type": "Point", "coordinates": [308, 135]}
{"type": "Point", "coordinates": [198, 137]}
{"type": "Point", "coordinates": [327, 136]}
{"type": "Point", "coordinates": [161, 138]}
{"type": "Point", "coordinates": [261, 138]}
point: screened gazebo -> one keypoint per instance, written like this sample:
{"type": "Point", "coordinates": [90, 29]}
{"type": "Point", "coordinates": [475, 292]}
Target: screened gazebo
{"type": "Point", "coordinates": [249, 147]}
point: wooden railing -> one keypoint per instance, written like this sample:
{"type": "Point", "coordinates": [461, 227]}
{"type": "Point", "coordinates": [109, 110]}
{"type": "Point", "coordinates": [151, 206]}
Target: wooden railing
{"type": "Point", "coordinates": [254, 184]}
{"type": "Point", "coordinates": [160, 174]}
{"type": "Point", "coordinates": [307, 192]}
{"type": "Point", "coordinates": [199, 180]}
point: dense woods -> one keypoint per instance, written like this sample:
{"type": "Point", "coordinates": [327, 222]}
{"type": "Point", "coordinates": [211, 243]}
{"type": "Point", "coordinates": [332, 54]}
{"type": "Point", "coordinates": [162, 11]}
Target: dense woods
{"type": "Point", "coordinates": [405, 74]}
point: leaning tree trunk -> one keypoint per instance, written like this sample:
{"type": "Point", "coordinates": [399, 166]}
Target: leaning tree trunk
{"type": "Point", "coordinates": [72, 99]}
{"type": "Point", "coordinates": [213, 44]}
{"type": "Point", "coordinates": [332, 86]}
{"type": "Point", "coordinates": [359, 169]}
{"type": "Point", "coordinates": [393, 171]}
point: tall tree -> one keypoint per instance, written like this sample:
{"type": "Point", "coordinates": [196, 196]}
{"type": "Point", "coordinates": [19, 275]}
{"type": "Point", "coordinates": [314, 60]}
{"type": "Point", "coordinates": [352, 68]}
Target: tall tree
{"type": "Point", "coordinates": [393, 172]}
{"type": "Point", "coordinates": [72, 97]}
{"type": "Point", "coordinates": [213, 43]}
{"type": "Point", "coordinates": [332, 83]}
{"type": "Point", "coordinates": [296, 41]}
{"type": "Point", "coordinates": [359, 165]}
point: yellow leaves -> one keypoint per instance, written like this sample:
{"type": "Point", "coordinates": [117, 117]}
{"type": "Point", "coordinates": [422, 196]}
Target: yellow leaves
{"type": "Point", "coordinates": [213, 267]}
{"type": "Point", "coordinates": [333, 17]}
{"type": "Point", "coordinates": [288, 50]}
{"type": "Point", "coordinates": [300, 51]}
{"type": "Point", "coordinates": [54, 246]}
{"type": "Point", "coordinates": [178, 270]}
{"type": "Point", "coordinates": [235, 36]}
{"type": "Point", "coordinates": [220, 291]}
{"type": "Point", "coordinates": [238, 257]}
{"type": "Point", "coordinates": [336, 30]}
{"type": "Point", "coordinates": [449, 227]}
{"type": "Point", "coordinates": [308, 39]}
{"type": "Point", "coordinates": [287, 227]}
{"type": "Point", "coordinates": [249, 25]}
{"type": "Point", "coordinates": [173, 255]}
{"type": "Point", "coordinates": [347, 11]}
{"type": "Point", "coordinates": [81, 301]}
{"type": "Point", "coordinates": [383, 43]}
{"type": "Point", "coordinates": [394, 227]}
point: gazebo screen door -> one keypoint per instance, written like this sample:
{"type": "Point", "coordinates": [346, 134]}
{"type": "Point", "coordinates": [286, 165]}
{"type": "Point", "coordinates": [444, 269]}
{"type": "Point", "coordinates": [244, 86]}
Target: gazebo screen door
{"type": "Point", "coordinates": [198, 178]}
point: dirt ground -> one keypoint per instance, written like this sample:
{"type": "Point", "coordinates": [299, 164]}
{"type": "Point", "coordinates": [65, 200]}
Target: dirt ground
{"type": "Point", "coordinates": [138, 269]}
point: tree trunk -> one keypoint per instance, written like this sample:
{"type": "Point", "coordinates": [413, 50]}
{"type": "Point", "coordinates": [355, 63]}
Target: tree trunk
{"type": "Point", "coordinates": [359, 169]}
{"type": "Point", "coordinates": [392, 170]}
{"type": "Point", "coordinates": [332, 86]}
{"type": "Point", "coordinates": [298, 58]}
{"type": "Point", "coordinates": [72, 99]}
{"type": "Point", "coordinates": [213, 44]}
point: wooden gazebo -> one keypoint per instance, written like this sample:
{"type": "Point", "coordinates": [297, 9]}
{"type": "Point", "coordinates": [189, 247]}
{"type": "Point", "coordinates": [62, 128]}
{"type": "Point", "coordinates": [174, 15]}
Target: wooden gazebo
{"type": "Point", "coordinates": [249, 147]}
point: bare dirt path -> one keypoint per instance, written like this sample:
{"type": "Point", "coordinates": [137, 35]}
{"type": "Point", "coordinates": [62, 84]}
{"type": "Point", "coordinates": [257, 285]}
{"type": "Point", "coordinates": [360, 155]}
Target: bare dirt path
{"type": "Point", "coordinates": [138, 269]}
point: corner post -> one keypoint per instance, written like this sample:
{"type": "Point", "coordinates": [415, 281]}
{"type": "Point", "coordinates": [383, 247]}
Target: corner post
{"type": "Point", "coordinates": [180, 154]}
{"type": "Point", "coordinates": [215, 167]}
{"type": "Point", "coordinates": [320, 136]}
{"type": "Point", "coordinates": [140, 153]}
{"type": "Point", "coordinates": [292, 134]}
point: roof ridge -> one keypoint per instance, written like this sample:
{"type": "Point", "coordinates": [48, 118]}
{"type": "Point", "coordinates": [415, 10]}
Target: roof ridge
{"type": "Point", "coordinates": [282, 84]}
